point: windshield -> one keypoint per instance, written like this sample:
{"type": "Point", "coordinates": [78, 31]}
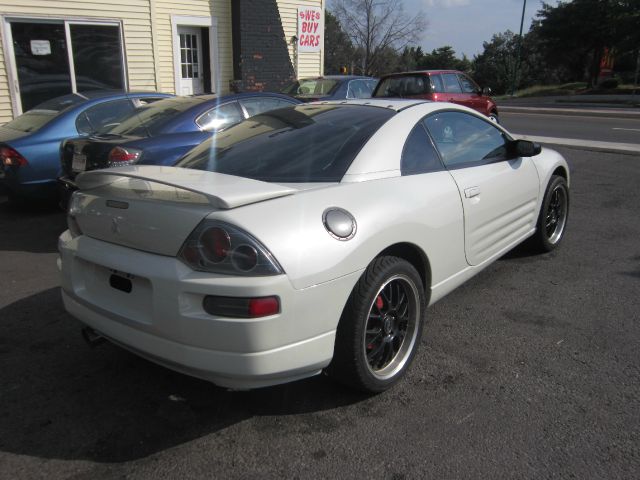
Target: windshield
{"type": "Point", "coordinates": [43, 113]}
{"type": "Point", "coordinates": [311, 86]}
{"type": "Point", "coordinates": [306, 143]}
{"type": "Point", "coordinates": [404, 86]}
{"type": "Point", "coordinates": [150, 120]}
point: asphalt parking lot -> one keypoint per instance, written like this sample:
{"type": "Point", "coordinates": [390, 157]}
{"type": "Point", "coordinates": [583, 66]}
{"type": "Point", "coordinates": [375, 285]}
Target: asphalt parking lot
{"type": "Point", "coordinates": [530, 370]}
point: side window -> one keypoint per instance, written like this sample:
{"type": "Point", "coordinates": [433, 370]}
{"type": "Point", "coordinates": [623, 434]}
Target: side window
{"type": "Point", "coordinates": [100, 116]}
{"type": "Point", "coordinates": [468, 85]}
{"type": "Point", "coordinates": [220, 117]}
{"type": "Point", "coordinates": [451, 84]}
{"type": "Point", "coordinates": [419, 155]}
{"type": "Point", "coordinates": [436, 83]}
{"type": "Point", "coordinates": [465, 140]}
{"type": "Point", "coordinates": [360, 89]}
{"type": "Point", "coordinates": [258, 105]}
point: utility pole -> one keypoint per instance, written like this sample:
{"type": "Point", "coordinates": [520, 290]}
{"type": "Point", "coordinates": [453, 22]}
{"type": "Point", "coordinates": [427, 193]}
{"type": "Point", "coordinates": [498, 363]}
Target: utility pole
{"type": "Point", "coordinates": [516, 67]}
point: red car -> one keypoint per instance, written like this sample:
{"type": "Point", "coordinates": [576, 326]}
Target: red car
{"type": "Point", "coordinates": [438, 86]}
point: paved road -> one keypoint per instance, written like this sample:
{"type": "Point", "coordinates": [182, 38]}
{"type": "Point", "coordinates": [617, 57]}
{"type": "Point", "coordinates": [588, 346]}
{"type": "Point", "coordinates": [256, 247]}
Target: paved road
{"type": "Point", "coordinates": [530, 370]}
{"type": "Point", "coordinates": [604, 129]}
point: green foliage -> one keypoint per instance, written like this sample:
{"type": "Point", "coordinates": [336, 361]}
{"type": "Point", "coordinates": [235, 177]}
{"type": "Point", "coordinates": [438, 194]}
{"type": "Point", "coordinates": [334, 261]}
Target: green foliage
{"type": "Point", "coordinates": [338, 49]}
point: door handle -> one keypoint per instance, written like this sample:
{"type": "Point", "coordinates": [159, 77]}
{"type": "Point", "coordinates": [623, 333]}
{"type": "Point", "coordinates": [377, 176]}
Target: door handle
{"type": "Point", "coordinates": [471, 192]}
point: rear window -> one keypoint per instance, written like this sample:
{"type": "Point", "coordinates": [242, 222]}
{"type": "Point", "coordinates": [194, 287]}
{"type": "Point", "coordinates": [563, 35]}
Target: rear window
{"type": "Point", "coordinates": [307, 143]}
{"type": "Point", "coordinates": [32, 121]}
{"type": "Point", "coordinates": [404, 86]}
{"type": "Point", "coordinates": [311, 86]}
{"type": "Point", "coordinates": [149, 120]}
{"type": "Point", "coordinates": [43, 113]}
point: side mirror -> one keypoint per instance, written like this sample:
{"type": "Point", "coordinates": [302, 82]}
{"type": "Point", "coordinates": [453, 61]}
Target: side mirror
{"type": "Point", "coordinates": [525, 148]}
{"type": "Point", "coordinates": [486, 91]}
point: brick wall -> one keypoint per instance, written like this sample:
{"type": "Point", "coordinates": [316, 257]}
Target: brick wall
{"type": "Point", "coordinates": [261, 59]}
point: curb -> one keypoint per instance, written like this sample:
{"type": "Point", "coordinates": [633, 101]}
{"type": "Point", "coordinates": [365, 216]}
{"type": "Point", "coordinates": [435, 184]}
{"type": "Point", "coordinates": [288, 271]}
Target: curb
{"type": "Point", "coordinates": [608, 147]}
{"type": "Point", "coordinates": [580, 112]}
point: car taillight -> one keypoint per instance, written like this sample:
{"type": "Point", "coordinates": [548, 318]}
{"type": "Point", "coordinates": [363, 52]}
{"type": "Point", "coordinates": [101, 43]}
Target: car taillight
{"type": "Point", "coordinates": [75, 206]}
{"type": "Point", "coordinates": [219, 247]}
{"type": "Point", "coordinates": [241, 307]}
{"type": "Point", "coordinates": [120, 156]}
{"type": "Point", "coordinates": [11, 158]}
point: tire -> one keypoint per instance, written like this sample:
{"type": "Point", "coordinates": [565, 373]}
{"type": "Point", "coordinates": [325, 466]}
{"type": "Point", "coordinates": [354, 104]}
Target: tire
{"type": "Point", "coordinates": [493, 116]}
{"type": "Point", "coordinates": [380, 327]}
{"type": "Point", "coordinates": [553, 216]}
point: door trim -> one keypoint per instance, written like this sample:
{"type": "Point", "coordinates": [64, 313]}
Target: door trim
{"type": "Point", "coordinates": [214, 64]}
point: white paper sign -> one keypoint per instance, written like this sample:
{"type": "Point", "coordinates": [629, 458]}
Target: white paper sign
{"type": "Point", "coordinates": [310, 29]}
{"type": "Point", "coordinates": [40, 47]}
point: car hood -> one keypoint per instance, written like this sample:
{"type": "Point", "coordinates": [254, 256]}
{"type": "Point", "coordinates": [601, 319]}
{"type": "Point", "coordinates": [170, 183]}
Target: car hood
{"type": "Point", "coordinates": [8, 134]}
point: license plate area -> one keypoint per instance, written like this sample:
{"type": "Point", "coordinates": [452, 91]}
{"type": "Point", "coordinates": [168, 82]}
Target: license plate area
{"type": "Point", "coordinates": [121, 283]}
{"type": "Point", "coordinates": [79, 162]}
{"type": "Point", "coordinates": [125, 295]}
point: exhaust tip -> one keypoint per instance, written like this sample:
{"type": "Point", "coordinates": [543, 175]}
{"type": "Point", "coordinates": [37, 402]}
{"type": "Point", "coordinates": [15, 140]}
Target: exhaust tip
{"type": "Point", "coordinates": [92, 337]}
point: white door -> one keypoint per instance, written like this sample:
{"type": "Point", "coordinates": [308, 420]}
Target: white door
{"type": "Point", "coordinates": [190, 66]}
{"type": "Point", "coordinates": [499, 193]}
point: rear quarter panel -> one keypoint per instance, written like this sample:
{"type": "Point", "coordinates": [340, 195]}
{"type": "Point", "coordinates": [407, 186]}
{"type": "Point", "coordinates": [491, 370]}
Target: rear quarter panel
{"type": "Point", "coordinates": [424, 210]}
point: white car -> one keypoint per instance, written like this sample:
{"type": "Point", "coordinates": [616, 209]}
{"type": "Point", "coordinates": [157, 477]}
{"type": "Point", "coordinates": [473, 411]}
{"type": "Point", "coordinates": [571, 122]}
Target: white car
{"type": "Point", "coordinates": [304, 240]}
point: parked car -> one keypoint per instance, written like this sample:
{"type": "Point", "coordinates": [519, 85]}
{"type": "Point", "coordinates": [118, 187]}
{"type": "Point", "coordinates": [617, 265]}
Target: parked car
{"type": "Point", "coordinates": [305, 239]}
{"type": "Point", "coordinates": [439, 86]}
{"type": "Point", "coordinates": [161, 133]}
{"type": "Point", "coordinates": [331, 87]}
{"type": "Point", "coordinates": [30, 144]}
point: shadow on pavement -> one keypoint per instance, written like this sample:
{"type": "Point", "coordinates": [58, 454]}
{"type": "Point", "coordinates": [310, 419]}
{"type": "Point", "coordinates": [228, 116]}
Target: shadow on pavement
{"type": "Point", "coordinates": [60, 398]}
{"type": "Point", "coordinates": [30, 228]}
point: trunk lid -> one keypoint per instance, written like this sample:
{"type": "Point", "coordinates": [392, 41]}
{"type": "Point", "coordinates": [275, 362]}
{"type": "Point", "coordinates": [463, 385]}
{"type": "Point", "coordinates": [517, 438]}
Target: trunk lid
{"type": "Point", "coordinates": [154, 208]}
{"type": "Point", "coordinates": [83, 154]}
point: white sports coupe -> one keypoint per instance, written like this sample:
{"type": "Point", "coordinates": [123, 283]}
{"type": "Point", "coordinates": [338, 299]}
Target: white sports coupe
{"type": "Point", "coordinates": [305, 239]}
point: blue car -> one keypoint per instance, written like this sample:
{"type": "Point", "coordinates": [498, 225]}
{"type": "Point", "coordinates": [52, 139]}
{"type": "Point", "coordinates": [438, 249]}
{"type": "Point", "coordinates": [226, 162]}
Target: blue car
{"type": "Point", "coordinates": [331, 87]}
{"type": "Point", "coordinates": [30, 144]}
{"type": "Point", "coordinates": [161, 133]}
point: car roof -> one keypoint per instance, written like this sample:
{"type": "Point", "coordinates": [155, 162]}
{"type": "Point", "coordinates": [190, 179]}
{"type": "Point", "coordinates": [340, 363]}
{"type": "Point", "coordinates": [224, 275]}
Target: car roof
{"type": "Point", "coordinates": [338, 77]}
{"type": "Point", "coordinates": [419, 72]}
{"type": "Point", "coordinates": [396, 104]}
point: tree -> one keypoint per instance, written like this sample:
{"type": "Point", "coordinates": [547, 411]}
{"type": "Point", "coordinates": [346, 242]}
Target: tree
{"type": "Point", "coordinates": [444, 58]}
{"type": "Point", "coordinates": [495, 65]}
{"type": "Point", "coordinates": [376, 28]}
{"type": "Point", "coordinates": [338, 49]}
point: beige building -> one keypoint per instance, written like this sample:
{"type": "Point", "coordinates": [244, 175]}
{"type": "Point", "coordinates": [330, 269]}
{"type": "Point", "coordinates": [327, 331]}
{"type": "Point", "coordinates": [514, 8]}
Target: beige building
{"type": "Point", "coordinates": [55, 47]}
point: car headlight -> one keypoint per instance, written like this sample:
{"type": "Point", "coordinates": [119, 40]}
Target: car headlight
{"type": "Point", "coordinates": [219, 247]}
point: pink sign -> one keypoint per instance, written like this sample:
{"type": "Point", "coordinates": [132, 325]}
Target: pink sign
{"type": "Point", "coordinates": [310, 29]}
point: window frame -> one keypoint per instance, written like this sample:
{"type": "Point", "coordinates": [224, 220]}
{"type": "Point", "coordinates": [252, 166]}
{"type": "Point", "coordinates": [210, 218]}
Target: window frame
{"type": "Point", "coordinates": [475, 163]}
{"type": "Point", "coordinates": [67, 21]}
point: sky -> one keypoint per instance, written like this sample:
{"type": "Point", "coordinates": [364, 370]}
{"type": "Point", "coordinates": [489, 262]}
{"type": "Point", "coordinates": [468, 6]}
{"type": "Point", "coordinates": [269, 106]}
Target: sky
{"type": "Point", "coordinates": [465, 24]}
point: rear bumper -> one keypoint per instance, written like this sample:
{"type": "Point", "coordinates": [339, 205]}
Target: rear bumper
{"type": "Point", "coordinates": [163, 320]}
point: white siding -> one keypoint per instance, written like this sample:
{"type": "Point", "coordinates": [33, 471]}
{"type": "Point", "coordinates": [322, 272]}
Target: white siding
{"type": "Point", "coordinates": [309, 64]}
{"type": "Point", "coordinates": [218, 9]}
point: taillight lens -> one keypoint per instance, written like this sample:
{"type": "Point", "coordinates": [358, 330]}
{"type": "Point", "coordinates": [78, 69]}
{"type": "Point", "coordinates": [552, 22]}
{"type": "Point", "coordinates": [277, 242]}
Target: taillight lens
{"type": "Point", "coordinates": [219, 247]}
{"type": "Point", "coordinates": [120, 156]}
{"type": "Point", "coordinates": [11, 158]}
{"type": "Point", "coordinates": [241, 307]}
{"type": "Point", "coordinates": [75, 205]}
